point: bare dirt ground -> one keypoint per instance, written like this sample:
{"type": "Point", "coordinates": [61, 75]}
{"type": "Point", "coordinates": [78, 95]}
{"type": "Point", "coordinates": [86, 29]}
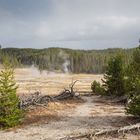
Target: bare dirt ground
{"type": "Point", "coordinates": [69, 118]}
{"type": "Point", "coordinates": [86, 117]}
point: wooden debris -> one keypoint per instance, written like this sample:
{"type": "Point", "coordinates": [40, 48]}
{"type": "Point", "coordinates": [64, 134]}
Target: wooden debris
{"type": "Point", "coordinates": [38, 99]}
{"type": "Point", "coordinates": [108, 133]}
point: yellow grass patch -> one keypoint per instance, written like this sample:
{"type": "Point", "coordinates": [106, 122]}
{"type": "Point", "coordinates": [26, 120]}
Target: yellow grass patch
{"type": "Point", "coordinates": [31, 80]}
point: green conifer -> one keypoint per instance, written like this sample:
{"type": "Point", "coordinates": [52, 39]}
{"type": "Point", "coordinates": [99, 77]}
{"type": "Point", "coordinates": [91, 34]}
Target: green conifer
{"type": "Point", "coordinates": [10, 114]}
{"type": "Point", "coordinates": [113, 81]}
{"type": "Point", "coordinates": [133, 85]}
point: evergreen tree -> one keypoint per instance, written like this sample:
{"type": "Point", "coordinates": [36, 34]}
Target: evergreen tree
{"type": "Point", "coordinates": [80, 61]}
{"type": "Point", "coordinates": [10, 114]}
{"type": "Point", "coordinates": [133, 85]}
{"type": "Point", "coordinates": [113, 81]}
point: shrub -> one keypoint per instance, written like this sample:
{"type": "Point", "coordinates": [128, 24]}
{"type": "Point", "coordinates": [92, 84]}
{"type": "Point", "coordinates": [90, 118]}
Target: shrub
{"type": "Point", "coordinates": [97, 88]}
{"type": "Point", "coordinates": [134, 106]}
{"type": "Point", "coordinates": [10, 114]}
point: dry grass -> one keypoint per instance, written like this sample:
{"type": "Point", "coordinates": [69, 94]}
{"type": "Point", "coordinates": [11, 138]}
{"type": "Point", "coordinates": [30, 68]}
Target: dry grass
{"type": "Point", "coordinates": [31, 80]}
{"type": "Point", "coordinates": [53, 112]}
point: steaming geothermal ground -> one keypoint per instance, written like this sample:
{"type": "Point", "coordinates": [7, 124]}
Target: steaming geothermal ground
{"type": "Point", "coordinates": [67, 118]}
{"type": "Point", "coordinates": [31, 80]}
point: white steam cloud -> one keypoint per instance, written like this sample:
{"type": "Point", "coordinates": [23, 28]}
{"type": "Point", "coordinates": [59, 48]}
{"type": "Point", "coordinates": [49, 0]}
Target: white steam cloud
{"type": "Point", "coordinates": [66, 63]}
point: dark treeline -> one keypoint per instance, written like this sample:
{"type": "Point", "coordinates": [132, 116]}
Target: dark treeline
{"type": "Point", "coordinates": [75, 61]}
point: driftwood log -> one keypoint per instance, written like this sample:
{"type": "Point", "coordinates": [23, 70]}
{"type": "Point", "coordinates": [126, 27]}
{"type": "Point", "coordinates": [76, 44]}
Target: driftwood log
{"type": "Point", "coordinates": [38, 99]}
{"type": "Point", "coordinates": [132, 129]}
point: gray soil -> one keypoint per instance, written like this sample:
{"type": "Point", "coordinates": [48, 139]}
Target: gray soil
{"type": "Point", "coordinates": [94, 114]}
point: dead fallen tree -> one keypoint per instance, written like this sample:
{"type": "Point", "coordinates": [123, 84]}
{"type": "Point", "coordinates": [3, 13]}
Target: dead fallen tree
{"type": "Point", "coordinates": [33, 99]}
{"type": "Point", "coordinates": [132, 129]}
{"type": "Point", "coordinates": [38, 99]}
{"type": "Point", "coordinates": [67, 93]}
{"type": "Point", "coordinates": [124, 130]}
